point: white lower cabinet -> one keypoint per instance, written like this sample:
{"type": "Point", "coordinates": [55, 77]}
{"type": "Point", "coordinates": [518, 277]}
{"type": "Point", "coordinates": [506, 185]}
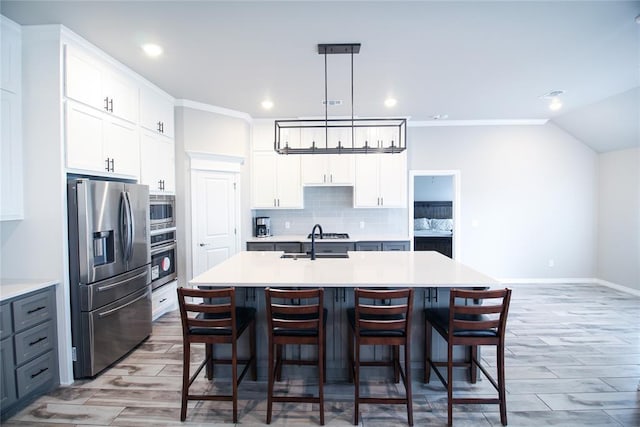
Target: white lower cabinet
{"type": "Point", "coordinates": [157, 162]}
{"type": "Point", "coordinates": [381, 181]}
{"type": "Point", "coordinates": [164, 299]}
{"type": "Point", "coordinates": [276, 181]}
{"type": "Point", "coordinates": [100, 143]}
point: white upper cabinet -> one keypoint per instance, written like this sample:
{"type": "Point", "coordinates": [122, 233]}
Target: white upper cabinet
{"type": "Point", "coordinates": [276, 181]}
{"type": "Point", "coordinates": [328, 169]}
{"type": "Point", "coordinates": [99, 143]}
{"type": "Point", "coordinates": [11, 169]}
{"type": "Point", "coordinates": [94, 83]}
{"type": "Point", "coordinates": [157, 162]}
{"type": "Point", "coordinates": [156, 111]}
{"type": "Point", "coordinates": [381, 181]}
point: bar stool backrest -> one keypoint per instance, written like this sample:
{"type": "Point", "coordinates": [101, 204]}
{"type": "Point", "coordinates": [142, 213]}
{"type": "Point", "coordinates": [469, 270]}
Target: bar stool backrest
{"type": "Point", "coordinates": [286, 310]}
{"type": "Point", "coordinates": [376, 311]}
{"type": "Point", "coordinates": [489, 315]}
{"type": "Point", "coordinates": [215, 315]}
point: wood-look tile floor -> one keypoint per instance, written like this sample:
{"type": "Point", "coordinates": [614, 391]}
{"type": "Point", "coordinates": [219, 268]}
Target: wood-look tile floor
{"type": "Point", "coordinates": [572, 359]}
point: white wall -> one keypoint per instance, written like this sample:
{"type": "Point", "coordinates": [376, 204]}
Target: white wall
{"type": "Point", "coordinates": [433, 188]}
{"type": "Point", "coordinates": [619, 217]}
{"type": "Point", "coordinates": [530, 189]}
{"type": "Point", "coordinates": [207, 131]}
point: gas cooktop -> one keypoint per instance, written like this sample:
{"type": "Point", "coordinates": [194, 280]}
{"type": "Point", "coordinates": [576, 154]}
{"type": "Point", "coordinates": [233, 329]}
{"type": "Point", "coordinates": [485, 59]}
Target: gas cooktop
{"type": "Point", "coordinates": [330, 236]}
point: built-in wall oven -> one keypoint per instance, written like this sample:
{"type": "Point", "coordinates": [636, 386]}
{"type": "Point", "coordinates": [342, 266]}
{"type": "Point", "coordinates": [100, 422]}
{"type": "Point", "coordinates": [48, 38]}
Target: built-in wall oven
{"type": "Point", "coordinates": [163, 239]}
{"type": "Point", "coordinates": [163, 257]}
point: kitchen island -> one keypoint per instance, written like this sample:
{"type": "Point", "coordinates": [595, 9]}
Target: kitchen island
{"type": "Point", "coordinates": [430, 271]}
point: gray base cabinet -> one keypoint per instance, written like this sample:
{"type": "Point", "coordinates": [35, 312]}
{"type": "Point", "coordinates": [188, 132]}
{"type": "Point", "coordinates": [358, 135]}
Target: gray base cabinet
{"type": "Point", "coordinates": [28, 350]}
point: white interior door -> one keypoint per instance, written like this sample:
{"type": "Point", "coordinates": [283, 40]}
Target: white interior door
{"type": "Point", "coordinates": [215, 219]}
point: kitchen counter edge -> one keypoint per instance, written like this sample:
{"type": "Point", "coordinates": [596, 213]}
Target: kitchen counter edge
{"type": "Point", "coordinates": [11, 288]}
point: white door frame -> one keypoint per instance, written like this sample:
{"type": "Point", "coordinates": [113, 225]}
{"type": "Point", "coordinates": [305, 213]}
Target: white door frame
{"type": "Point", "coordinates": [211, 163]}
{"type": "Point", "coordinates": [455, 174]}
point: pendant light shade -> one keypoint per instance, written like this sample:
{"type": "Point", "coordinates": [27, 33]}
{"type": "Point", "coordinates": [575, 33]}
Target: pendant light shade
{"type": "Point", "coordinates": [327, 136]}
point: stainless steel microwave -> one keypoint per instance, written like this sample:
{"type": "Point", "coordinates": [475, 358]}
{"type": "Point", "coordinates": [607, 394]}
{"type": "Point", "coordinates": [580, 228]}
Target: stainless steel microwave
{"type": "Point", "coordinates": [162, 209]}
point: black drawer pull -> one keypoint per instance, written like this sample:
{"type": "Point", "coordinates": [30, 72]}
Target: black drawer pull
{"type": "Point", "coordinates": [162, 300]}
{"type": "Point", "coordinates": [39, 372]}
{"type": "Point", "coordinates": [37, 341]}
{"type": "Point", "coordinates": [36, 309]}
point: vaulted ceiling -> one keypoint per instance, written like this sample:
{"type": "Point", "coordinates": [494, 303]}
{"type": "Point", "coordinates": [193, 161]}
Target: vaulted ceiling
{"type": "Point", "coordinates": [467, 61]}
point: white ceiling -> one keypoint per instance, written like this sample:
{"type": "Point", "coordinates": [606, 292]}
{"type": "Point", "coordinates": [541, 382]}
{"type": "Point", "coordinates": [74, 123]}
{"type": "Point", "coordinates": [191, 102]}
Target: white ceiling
{"type": "Point", "coordinates": [472, 60]}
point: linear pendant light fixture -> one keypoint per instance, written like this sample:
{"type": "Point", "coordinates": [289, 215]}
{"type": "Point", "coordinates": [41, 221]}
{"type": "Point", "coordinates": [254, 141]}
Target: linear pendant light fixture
{"type": "Point", "coordinates": [374, 135]}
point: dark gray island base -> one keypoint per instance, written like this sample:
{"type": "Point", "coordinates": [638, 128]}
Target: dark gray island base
{"type": "Point", "coordinates": [431, 274]}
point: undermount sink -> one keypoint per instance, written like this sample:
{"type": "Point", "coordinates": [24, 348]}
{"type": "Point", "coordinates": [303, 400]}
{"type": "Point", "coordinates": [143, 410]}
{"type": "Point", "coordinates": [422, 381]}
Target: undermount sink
{"type": "Point", "coordinates": [318, 256]}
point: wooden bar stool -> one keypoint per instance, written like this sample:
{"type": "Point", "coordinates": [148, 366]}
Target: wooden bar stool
{"type": "Point", "coordinates": [295, 317]}
{"type": "Point", "coordinates": [216, 320]}
{"type": "Point", "coordinates": [374, 323]}
{"type": "Point", "coordinates": [470, 325]}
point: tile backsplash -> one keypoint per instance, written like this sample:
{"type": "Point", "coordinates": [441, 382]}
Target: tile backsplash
{"type": "Point", "coordinates": [332, 208]}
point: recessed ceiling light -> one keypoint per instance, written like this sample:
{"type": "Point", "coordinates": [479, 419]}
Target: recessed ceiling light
{"type": "Point", "coordinates": [390, 102]}
{"type": "Point", "coordinates": [555, 104]}
{"type": "Point", "coordinates": [267, 104]}
{"type": "Point", "coordinates": [152, 50]}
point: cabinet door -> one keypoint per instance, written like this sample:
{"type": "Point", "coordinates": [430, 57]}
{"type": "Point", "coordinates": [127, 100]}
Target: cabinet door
{"type": "Point", "coordinates": [84, 135]}
{"type": "Point", "coordinates": [314, 169]}
{"type": "Point", "coordinates": [121, 144]}
{"type": "Point", "coordinates": [366, 181]}
{"type": "Point", "coordinates": [10, 49]}
{"type": "Point", "coordinates": [340, 169]}
{"type": "Point", "coordinates": [83, 78]}
{"type": "Point", "coordinates": [288, 187]}
{"type": "Point", "coordinates": [156, 111]}
{"type": "Point", "coordinates": [8, 393]}
{"type": "Point", "coordinates": [157, 162]}
{"type": "Point", "coordinates": [11, 199]}
{"type": "Point", "coordinates": [393, 180]}
{"type": "Point", "coordinates": [263, 194]}
{"type": "Point", "coordinates": [122, 95]}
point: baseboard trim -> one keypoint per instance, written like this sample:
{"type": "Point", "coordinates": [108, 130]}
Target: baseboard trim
{"type": "Point", "coordinates": [559, 280]}
{"type": "Point", "coordinates": [571, 281]}
{"type": "Point", "coordinates": [617, 287]}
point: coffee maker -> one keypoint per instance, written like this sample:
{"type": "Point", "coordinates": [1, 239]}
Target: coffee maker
{"type": "Point", "coordinates": [263, 226]}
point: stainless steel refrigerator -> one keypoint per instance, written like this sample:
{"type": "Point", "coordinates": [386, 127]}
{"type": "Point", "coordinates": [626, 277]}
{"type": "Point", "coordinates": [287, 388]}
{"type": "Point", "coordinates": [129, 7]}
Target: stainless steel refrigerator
{"type": "Point", "coordinates": [109, 271]}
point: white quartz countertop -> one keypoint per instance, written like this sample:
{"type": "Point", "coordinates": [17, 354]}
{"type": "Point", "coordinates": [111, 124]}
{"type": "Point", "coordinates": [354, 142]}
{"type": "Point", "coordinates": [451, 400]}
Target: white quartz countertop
{"type": "Point", "coordinates": [10, 288]}
{"type": "Point", "coordinates": [388, 269]}
{"type": "Point", "coordinates": [352, 238]}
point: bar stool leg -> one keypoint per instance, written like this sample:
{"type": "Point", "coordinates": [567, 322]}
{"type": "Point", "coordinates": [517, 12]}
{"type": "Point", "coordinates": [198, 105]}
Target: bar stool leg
{"type": "Point", "coordinates": [501, 386]}
{"type": "Point", "coordinates": [450, 383]}
{"type": "Point", "coordinates": [396, 363]}
{"type": "Point", "coordinates": [234, 379]}
{"type": "Point", "coordinates": [186, 374]}
{"type": "Point", "coordinates": [356, 380]}
{"type": "Point", "coordinates": [473, 370]}
{"type": "Point", "coordinates": [407, 385]}
{"type": "Point", "coordinates": [272, 374]}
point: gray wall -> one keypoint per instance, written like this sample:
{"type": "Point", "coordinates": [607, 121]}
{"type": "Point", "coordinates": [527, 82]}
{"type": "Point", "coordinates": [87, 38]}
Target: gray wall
{"type": "Point", "coordinates": [619, 217]}
{"type": "Point", "coordinates": [212, 133]}
{"type": "Point", "coordinates": [531, 190]}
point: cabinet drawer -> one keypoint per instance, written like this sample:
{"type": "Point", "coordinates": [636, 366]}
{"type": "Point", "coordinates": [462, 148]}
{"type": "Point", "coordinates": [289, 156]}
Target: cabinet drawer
{"type": "Point", "coordinates": [260, 246]}
{"type": "Point", "coordinates": [395, 246]}
{"type": "Point", "coordinates": [36, 373]}
{"type": "Point", "coordinates": [293, 247]}
{"type": "Point", "coordinates": [6, 328]}
{"type": "Point", "coordinates": [164, 299]}
{"type": "Point", "coordinates": [333, 247]}
{"type": "Point", "coordinates": [368, 246]}
{"type": "Point", "coordinates": [34, 341]}
{"type": "Point", "coordinates": [34, 309]}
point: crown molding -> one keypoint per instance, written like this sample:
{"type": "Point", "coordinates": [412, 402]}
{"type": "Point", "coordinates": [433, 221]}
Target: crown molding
{"type": "Point", "coordinates": [186, 103]}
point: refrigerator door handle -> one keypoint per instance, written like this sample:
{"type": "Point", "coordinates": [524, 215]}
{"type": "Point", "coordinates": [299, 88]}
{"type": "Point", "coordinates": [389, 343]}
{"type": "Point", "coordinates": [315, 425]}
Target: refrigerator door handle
{"type": "Point", "coordinates": [121, 282]}
{"type": "Point", "coordinates": [125, 227]}
{"type": "Point", "coordinates": [130, 225]}
{"type": "Point", "coordinates": [113, 310]}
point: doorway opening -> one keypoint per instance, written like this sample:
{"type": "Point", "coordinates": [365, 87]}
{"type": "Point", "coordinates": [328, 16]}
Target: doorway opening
{"type": "Point", "coordinates": [434, 211]}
